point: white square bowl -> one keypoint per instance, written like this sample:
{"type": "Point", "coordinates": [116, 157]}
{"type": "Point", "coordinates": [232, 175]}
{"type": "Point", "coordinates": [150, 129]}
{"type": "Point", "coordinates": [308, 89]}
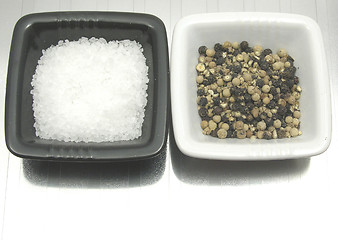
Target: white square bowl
{"type": "Point", "coordinates": [299, 35]}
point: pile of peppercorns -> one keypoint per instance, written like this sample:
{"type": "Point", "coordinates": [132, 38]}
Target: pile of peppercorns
{"type": "Point", "coordinates": [247, 92]}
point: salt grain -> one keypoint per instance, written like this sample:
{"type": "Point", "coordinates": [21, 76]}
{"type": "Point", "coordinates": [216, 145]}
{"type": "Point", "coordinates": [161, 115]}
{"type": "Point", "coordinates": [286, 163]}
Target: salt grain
{"type": "Point", "coordinates": [90, 90]}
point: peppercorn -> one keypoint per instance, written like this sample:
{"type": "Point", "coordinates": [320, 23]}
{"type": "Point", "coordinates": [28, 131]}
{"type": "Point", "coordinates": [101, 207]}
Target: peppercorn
{"type": "Point", "coordinates": [217, 101]}
{"type": "Point", "coordinates": [218, 47]}
{"type": "Point", "coordinates": [266, 88]}
{"type": "Point", "coordinates": [269, 122]}
{"type": "Point", "coordinates": [284, 88]}
{"type": "Point", "coordinates": [244, 45]}
{"type": "Point", "coordinates": [266, 100]}
{"type": "Point", "coordinates": [217, 110]}
{"type": "Point", "coordinates": [202, 49]}
{"type": "Point", "coordinates": [211, 79]}
{"type": "Point", "coordinates": [296, 114]}
{"type": "Point", "coordinates": [267, 51]}
{"type": "Point", "coordinates": [220, 61]}
{"type": "Point", "coordinates": [218, 54]}
{"type": "Point", "coordinates": [264, 65]}
{"type": "Point", "coordinates": [221, 133]}
{"type": "Point", "coordinates": [235, 45]}
{"type": "Point", "coordinates": [290, 82]}
{"type": "Point", "coordinates": [241, 134]}
{"type": "Point", "coordinates": [210, 52]}
{"type": "Point", "coordinates": [203, 112]}
{"type": "Point", "coordinates": [267, 135]}
{"type": "Point", "coordinates": [281, 110]}
{"type": "Point", "coordinates": [236, 68]}
{"type": "Point", "coordinates": [271, 104]}
{"type": "Point", "coordinates": [273, 90]}
{"type": "Point", "coordinates": [255, 97]}
{"type": "Point", "coordinates": [294, 132]}
{"type": "Point", "coordinates": [260, 83]}
{"type": "Point", "coordinates": [203, 101]}
{"type": "Point", "coordinates": [247, 97]}
{"type": "Point", "coordinates": [204, 124]}
{"type": "Point", "coordinates": [200, 92]}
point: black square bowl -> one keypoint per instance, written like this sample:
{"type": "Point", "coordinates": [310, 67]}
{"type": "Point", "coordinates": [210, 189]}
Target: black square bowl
{"type": "Point", "coordinates": [36, 32]}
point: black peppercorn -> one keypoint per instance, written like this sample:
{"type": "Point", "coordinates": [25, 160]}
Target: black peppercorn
{"type": "Point", "coordinates": [290, 59]}
{"type": "Point", "coordinates": [260, 83]}
{"type": "Point", "coordinates": [296, 80]}
{"type": "Point", "coordinates": [273, 90]}
{"type": "Point", "coordinates": [281, 110]}
{"type": "Point", "coordinates": [289, 72]}
{"type": "Point", "coordinates": [206, 118]}
{"type": "Point", "coordinates": [200, 92]}
{"type": "Point", "coordinates": [211, 79]}
{"type": "Point", "coordinates": [267, 135]}
{"type": "Point", "coordinates": [203, 101]}
{"type": "Point", "coordinates": [217, 110]}
{"type": "Point", "coordinates": [266, 52]}
{"type": "Point", "coordinates": [224, 119]}
{"type": "Point", "coordinates": [249, 50]}
{"type": "Point", "coordinates": [247, 97]}
{"type": "Point", "coordinates": [271, 104]}
{"type": "Point", "coordinates": [218, 55]}
{"type": "Point", "coordinates": [290, 83]}
{"type": "Point", "coordinates": [276, 83]}
{"type": "Point", "coordinates": [214, 132]}
{"type": "Point", "coordinates": [203, 112]}
{"type": "Point", "coordinates": [218, 47]}
{"type": "Point", "coordinates": [250, 105]}
{"type": "Point", "coordinates": [244, 45]}
{"type": "Point", "coordinates": [284, 88]}
{"type": "Point", "coordinates": [202, 49]}
{"type": "Point", "coordinates": [205, 82]}
{"type": "Point", "coordinates": [236, 52]}
{"type": "Point", "coordinates": [269, 122]}
{"type": "Point", "coordinates": [220, 61]}
{"type": "Point", "coordinates": [217, 101]}
{"type": "Point", "coordinates": [236, 68]}
{"type": "Point", "coordinates": [264, 65]}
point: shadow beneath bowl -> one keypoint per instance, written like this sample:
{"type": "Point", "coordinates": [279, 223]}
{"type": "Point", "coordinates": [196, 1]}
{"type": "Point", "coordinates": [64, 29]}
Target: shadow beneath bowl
{"type": "Point", "coordinates": [129, 174]}
{"type": "Point", "coordinates": [215, 172]}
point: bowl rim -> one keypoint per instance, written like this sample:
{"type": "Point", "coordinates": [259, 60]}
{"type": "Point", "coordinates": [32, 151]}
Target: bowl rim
{"type": "Point", "coordinates": [196, 149]}
{"type": "Point", "coordinates": [160, 130]}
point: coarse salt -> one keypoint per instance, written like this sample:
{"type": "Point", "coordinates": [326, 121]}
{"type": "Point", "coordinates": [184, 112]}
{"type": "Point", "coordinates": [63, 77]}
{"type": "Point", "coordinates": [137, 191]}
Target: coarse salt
{"type": "Point", "coordinates": [90, 90]}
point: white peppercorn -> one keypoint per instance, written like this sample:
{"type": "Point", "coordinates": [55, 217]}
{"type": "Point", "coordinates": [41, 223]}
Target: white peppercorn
{"type": "Point", "coordinates": [261, 125]}
{"type": "Point", "coordinates": [200, 67]}
{"type": "Point", "coordinates": [294, 132]}
{"type": "Point", "coordinates": [225, 126]}
{"type": "Point", "coordinates": [216, 118]}
{"type": "Point", "coordinates": [282, 53]}
{"type": "Point", "coordinates": [204, 124]}
{"type": "Point", "coordinates": [255, 97]}
{"type": "Point", "coordinates": [296, 114]}
{"type": "Point", "coordinates": [212, 125]}
{"type": "Point", "coordinates": [210, 52]}
{"type": "Point", "coordinates": [222, 133]}
{"type": "Point", "coordinates": [266, 88]}
{"type": "Point", "coordinates": [226, 92]}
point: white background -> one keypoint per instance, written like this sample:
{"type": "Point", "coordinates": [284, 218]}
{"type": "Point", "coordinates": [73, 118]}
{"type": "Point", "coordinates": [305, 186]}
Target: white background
{"type": "Point", "coordinates": [172, 197]}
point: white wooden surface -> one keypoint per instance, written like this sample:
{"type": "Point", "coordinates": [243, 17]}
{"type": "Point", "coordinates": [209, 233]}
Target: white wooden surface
{"type": "Point", "coordinates": [176, 197]}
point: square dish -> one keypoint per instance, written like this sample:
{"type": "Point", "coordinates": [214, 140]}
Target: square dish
{"type": "Point", "coordinates": [302, 38]}
{"type": "Point", "coordinates": [36, 32]}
